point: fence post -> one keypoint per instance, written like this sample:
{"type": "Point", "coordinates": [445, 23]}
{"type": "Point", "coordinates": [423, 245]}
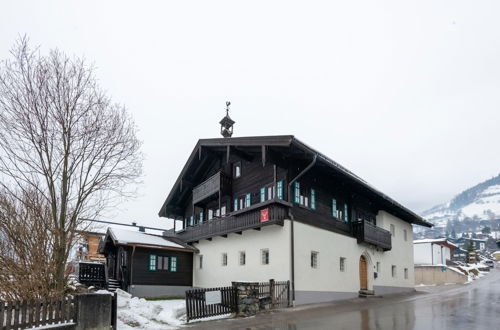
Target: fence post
{"type": "Point", "coordinates": [272, 292]}
{"type": "Point", "coordinates": [288, 292]}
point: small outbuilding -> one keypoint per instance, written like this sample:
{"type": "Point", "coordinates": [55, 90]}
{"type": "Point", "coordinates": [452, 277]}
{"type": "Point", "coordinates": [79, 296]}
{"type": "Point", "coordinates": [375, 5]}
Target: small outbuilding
{"type": "Point", "coordinates": [437, 251]}
{"type": "Point", "coordinates": [148, 265]}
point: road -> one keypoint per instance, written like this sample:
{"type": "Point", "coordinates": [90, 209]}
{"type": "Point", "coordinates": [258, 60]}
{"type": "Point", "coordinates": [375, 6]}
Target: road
{"type": "Point", "coordinates": [472, 306]}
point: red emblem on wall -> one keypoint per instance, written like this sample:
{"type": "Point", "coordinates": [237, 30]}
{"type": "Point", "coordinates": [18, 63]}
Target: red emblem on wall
{"type": "Point", "coordinates": [264, 215]}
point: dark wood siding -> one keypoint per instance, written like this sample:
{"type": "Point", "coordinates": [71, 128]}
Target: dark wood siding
{"type": "Point", "coordinates": [142, 274]}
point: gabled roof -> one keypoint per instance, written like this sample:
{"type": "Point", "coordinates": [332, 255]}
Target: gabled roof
{"type": "Point", "coordinates": [290, 141]}
{"type": "Point", "coordinates": [439, 241]}
{"type": "Point", "coordinates": [127, 237]}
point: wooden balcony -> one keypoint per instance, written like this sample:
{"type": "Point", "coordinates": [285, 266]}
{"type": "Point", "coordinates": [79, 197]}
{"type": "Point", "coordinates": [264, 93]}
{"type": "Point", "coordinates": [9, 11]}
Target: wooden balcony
{"type": "Point", "coordinates": [236, 222]}
{"type": "Point", "coordinates": [369, 233]}
{"type": "Point", "coordinates": [217, 183]}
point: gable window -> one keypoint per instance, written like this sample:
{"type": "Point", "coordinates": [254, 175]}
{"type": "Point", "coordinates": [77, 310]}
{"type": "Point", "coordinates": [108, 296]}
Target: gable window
{"type": "Point", "coordinates": [393, 230]}
{"type": "Point", "coordinates": [264, 256]}
{"type": "Point", "coordinates": [314, 259]}
{"type": "Point", "coordinates": [224, 259]}
{"type": "Point", "coordinates": [393, 271]}
{"type": "Point", "coordinates": [200, 258]}
{"type": "Point", "coordinates": [237, 170]}
{"type": "Point", "coordinates": [342, 264]}
{"type": "Point", "coordinates": [173, 264]}
{"type": "Point", "coordinates": [406, 273]}
{"type": "Point", "coordinates": [279, 189]}
{"type": "Point", "coordinates": [242, 258]}
{"type": "Point", "coordinates": [152, 262]}
{"type": "Point", "coordinates": [335, 213]}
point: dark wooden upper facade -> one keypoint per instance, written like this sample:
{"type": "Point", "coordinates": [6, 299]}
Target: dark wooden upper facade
{"type": "Point", "coordinates": [229, 185]}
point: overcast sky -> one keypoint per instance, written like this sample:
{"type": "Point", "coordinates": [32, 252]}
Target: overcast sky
{"type": "Point", "coordinates": [406, 94]}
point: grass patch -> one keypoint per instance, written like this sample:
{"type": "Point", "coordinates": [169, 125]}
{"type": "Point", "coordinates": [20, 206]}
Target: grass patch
{"type": "Point", "coordinates": [164, 298]}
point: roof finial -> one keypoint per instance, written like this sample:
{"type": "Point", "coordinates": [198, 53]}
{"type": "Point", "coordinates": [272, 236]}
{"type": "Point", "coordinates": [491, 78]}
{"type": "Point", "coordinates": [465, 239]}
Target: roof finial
{"type": "Point", "coordinates": [226, 124]}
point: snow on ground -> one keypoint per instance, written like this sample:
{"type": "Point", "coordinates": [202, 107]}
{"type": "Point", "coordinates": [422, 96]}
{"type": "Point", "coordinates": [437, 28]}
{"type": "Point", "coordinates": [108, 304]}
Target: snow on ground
{"type": "Point", "coordinates": [138, 313]}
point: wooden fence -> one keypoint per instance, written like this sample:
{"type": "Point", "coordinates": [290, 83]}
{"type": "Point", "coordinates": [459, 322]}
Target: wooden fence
{"type": "Point", "coordinates": [220, 301]}
{"type": "Point", "coordinates": [92, 274]}
{"type": "Point", "coordinates": [29, 314]}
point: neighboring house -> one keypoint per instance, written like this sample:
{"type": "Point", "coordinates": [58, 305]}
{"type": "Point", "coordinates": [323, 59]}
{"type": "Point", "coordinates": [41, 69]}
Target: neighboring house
{"type": "Point", "coordinates": [496, 255]}
{"type": "Point", "coordinates": [463, 242]}
{"type": "Point", "coordinates": [433, 251]}
{"type": "Point", "coordinates": [87, 247]}
{"type": "Point", "coordinates": [270, 207]}
{"type": "Point", "coordinates": [148, 265]}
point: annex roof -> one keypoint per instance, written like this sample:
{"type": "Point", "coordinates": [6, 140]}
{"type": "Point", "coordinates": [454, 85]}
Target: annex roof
{"type": "Point", "coordinates": [126, 237]}
{"type": "Point", "coordinates": [287, 141]}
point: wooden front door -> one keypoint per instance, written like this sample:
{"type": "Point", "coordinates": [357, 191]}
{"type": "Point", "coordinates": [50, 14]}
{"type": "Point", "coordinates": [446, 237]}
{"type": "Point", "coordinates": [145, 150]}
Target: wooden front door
{"type": "Point", "coordinates": [363, 273]}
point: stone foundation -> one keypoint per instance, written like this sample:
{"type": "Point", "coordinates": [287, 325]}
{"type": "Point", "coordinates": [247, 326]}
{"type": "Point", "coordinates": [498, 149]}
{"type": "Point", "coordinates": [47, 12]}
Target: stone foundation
{"type": "Point", "coordinates": [248, 300]}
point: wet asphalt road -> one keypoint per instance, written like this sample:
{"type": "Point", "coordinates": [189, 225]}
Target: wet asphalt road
{"type": "Point", "coordinates": [471, 306]}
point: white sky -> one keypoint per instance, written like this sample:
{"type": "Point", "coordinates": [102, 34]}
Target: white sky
{"type": "Point", "coordinates": [406, 94]}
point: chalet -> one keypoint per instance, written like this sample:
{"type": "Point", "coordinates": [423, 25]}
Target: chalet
{"type": "Point", "coordinates": [271, 207]}
{"type": "Point", "coordinates": [433, 251]}
{"type": "Point", "coordinates": [147, 265]}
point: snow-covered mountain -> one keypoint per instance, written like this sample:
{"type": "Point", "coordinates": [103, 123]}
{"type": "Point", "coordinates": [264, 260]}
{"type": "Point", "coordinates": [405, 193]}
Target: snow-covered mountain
{"type": "Point", "coordinates": [481, 202]}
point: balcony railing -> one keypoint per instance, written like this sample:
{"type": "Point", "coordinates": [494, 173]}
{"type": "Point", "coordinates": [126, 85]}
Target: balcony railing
{"type": "Point", "coordinates": [217, 182]}
{"type": "Point", "coordinates": [275, 211]}
{"type": "Point", "coordinates": [369, 233]}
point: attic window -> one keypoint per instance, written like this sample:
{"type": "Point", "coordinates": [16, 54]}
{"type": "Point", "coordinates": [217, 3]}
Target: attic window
{"type": "Point", "coordinates": [237, 170]}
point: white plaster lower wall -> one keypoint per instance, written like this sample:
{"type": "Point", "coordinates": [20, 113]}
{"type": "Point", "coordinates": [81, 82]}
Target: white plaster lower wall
{"type": "Point", "coordinates": [213, 274]}
{"type": "Point", "coordinates": [431, 254]}
{"type": "Point", "coordinates": [332, 246]}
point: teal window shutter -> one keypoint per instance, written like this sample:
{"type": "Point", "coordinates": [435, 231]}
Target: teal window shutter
{"type": "Point", "coordinates": [279, 188]}
{"type": "Point", "coordinates": [297, 192]}
{"type": "Point", "coordinates": [313, 199]}
{"type": "Point", "coordinates": [262, 194]}
{"type": "Point", "coordinates": [235, 206]}
{"type": "Point", "coordinates": [334, 208]}
{"type": "Point", "coordinates": [152, 262]}
{"type": "Point", "coordinates": [346, 215]}
{"type": "Point", "coordinates": [173, 264]}
{"type": "Point", "coordinates": [248, 200]}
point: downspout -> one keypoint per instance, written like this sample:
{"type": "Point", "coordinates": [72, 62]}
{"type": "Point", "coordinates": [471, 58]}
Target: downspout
{"type": "Point", "coordinates": [290, 215]}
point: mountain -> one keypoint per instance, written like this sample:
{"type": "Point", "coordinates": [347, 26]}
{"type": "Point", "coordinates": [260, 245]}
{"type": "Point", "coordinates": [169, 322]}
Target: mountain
{"type": "Point", "coordinates": [481, 202]}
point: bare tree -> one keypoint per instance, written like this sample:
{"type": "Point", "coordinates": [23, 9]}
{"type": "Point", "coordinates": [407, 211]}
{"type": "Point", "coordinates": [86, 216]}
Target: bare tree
{"type": "Point", "coordinates": [63, 141]}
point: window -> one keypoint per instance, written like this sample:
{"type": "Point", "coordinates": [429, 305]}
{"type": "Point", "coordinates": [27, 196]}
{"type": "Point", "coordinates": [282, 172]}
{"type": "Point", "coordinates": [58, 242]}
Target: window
{"type": "Point", "coordinates": [270, 194]}
{"type": "Point", "coordinates": [405, 234]}
{"type": "Point", "coordinates": [313, 199]}
{"type": "Point", "coordinates": [242, 258]}
{"type": "Point", "coordinates": [191, 221]}
{"type": "Point", "coordinates": [224, 259]}
{"type": "Point", "coordinates": [162, 263]}
{"type": "Point", "coordinates": [201, 217]}
{"type": "Point", "coordinates": [406, 273]}
{"type": "Point", "coordinates": [210, 214]}
{"type": "Point", "coordinates": [314, 259]}
{"type": "Point", "coordinates": [223, 211]}
{"type": "Point", "coordinates": [264, 253]}
{"type": "Point", "coordinates": [296, 192]}
{"type": "Point", "coordinates": [235, 204]}
{"type": "Point", "coordinates": [248, 200]}
{"type": "Point", "coordinates": [342, 264]}
{"type": "Point", "coordinates": [279, 188]}
{"type": "Point", "coordinates": [262, 194]}
{"type": "Point", "coordinates": [237, 170]}
{"type": "Point", "coordinates": [346, 213]}
{"type": "Point", "coordinates": [393, 230]}
{"type": "Point", "coordinates": [152, 262]}
{"type": "Point", "coordinates": [335, 213]}
{"type": "Point", "coordinates": [173, 264]}
{"type": "Point", "coordinates": [200, 258]}
{"type": "Point", "coordinates": [242, 203]}
{"type": "Point", "coordinates": [393, 271]}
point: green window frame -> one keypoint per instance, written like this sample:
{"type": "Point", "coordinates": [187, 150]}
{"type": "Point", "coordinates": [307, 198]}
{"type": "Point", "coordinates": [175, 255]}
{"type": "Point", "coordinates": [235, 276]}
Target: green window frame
{"type": "Point", "coordinates": [173, 264]}
{"type": "Point", "coordinates": [262, 194]}
{"type": "Point", "coordinates": [201, 217]}
{"type": "Point", "coordinates": [248, 200]}
{"type": "Point", "coordinates": [313, 199]}
{"type": "Point", "coordinates": [152, 262]}
{"type": "Point", "coordinates": [335, 214]}
{"type": "Point", "coordinates": [279, 189]}
{"type": "Point", "coordinates": [297, 192]}
{"type": "Point", "coordinates": [235, 204]}
{"type": "Point", "coordinates": [346, 213]}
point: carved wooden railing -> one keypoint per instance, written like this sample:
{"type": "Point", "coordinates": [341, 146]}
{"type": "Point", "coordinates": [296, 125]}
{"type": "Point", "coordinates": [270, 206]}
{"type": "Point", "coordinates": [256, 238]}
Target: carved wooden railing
{"type": "Point", "coordinates": [369, 233]}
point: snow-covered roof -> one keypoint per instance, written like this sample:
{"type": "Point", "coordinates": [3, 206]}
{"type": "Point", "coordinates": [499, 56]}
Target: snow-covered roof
{"type": "Point", "coordinates": [101, 228]}
{"type": "Point", "coordinates": [435, 240]}
{"type": "Point", "coordinates": [122, 236]}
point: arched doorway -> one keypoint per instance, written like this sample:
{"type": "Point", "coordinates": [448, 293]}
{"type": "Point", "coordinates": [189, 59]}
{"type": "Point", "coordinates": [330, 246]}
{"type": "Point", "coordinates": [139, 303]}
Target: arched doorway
{"type": "Point", "coordinates": [363, 273]}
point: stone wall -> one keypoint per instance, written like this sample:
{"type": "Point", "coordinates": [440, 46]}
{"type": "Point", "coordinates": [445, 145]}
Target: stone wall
{"type": "Point", "coordinates": [438, 275]}
{"type": "Point", "coordinates": [248, 300]}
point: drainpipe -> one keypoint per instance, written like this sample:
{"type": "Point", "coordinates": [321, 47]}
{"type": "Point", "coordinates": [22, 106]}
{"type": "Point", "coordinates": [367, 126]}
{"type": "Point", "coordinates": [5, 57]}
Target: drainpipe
{"type": "Point", "coordinates": [290, 215]}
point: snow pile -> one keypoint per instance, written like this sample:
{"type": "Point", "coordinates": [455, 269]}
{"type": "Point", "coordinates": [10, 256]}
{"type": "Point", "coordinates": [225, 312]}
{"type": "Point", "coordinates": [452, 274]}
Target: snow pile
{"type": "Point", "coordinates": [138, 313]}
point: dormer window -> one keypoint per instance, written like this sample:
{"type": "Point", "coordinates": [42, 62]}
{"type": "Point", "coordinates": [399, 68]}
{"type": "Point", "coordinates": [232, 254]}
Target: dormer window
{"type": "Point", "coordinates": [237, 170]}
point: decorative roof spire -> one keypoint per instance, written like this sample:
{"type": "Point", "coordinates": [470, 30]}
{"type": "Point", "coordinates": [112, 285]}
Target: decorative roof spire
{"type": "Point", "coordinates": [226, 124]}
